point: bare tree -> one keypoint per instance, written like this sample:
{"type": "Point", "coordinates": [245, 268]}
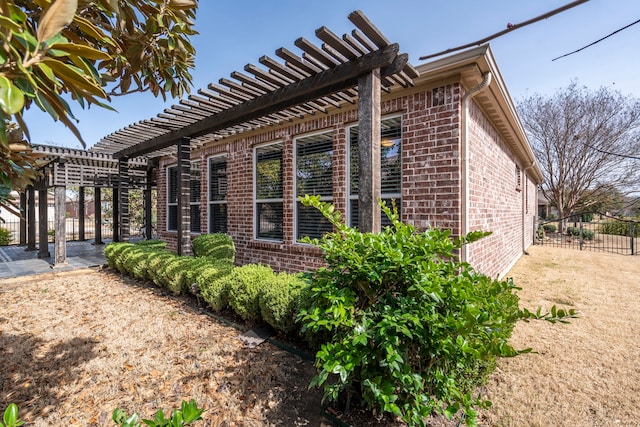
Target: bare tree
{"type": "Point", "coordinates": [586, 142]}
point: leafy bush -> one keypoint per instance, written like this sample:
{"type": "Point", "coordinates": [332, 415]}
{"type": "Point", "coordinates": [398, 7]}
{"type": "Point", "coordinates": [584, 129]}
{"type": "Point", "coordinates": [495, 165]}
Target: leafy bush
{"type": "Point", "coordinates": [619, 228]}
{"type": "Point", "coordinates": [10, 417]}
{"type": "Point", "coordinates": [586, 234]}
{"type": "Point", "coordinates": [213, 282]}
{"type": "Point", "coordinates": [245, 286]}
{"type": "Point", "coordinates": [154, 244]}
{"type": "Point", "coordinates": [413, 331]}
{"type": "Point", "coordinates": [549, 228]}
{"type": "Point", "coordinates": [216, 245]}
{"type": "Point", "coordinates": [5, 237]}
{"type": "Point", "coordinates": [280, 301]}
{"type": "Point", "coordinates": [186, 415]}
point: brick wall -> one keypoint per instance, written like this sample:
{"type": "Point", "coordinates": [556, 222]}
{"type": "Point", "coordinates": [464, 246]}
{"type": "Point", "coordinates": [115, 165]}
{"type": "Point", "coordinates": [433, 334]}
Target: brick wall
{"type": "Point", "coordinates": [430, 181]}
{"type": "Point", "coordinates": [495, 197]}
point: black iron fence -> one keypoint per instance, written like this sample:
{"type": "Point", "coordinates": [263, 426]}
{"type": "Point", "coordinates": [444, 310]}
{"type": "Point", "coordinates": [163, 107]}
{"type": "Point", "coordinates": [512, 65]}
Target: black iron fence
{"type": "Point", "coordinates": [606, 234]}
{"type": "Point", "coordinates": [72, 230]}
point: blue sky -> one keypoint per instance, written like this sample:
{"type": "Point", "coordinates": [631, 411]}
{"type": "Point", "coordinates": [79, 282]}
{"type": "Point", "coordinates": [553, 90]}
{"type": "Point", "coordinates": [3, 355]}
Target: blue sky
{"type": "Point", "coordinates": [234, 33]}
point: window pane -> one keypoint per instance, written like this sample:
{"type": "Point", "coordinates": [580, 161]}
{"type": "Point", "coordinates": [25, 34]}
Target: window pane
{"type": "Point", "coordinates": [269, 172]}
{"type": "Point", "coordinates": [172, 184]}
{"type": "Point", "coordinates": [311, 223]}
{"type": "Point", "coordinates": [195, 218]}
{"type": "Point", "coordinates": [217, 178]}
{"type": "Point", "coordinates": [269, 223]}
{"type": "Point", "coordinates": [172, 220]}
{"type": "Point", "coordinates": [218, 218]}
{"type": "Point", "coordinates": [195, 185]}
{"type": "Point", "coordinates": [314, 165]}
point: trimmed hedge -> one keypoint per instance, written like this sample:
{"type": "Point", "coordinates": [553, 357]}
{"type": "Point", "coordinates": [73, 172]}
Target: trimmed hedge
{"type": "Point", "coordinates": [5, 237]}
{"type": "Point", "coordinates": [254, 292]}
{"type": "Point", "coordinates": [216, 245]}
{"type": "Point", "coordinates": [280, 301]}
{"type": "Point", "coordinates": [586, 234]}
{"type": "Point", "coordinates": [246, 284]}
{"type": "Point", "coordinates": [619, 228]}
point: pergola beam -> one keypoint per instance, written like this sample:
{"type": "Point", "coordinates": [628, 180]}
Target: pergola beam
{"type": "Point", "coordinates": [324, 83]}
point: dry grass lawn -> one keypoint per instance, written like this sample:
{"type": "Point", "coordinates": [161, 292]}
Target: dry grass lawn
{"type": "Point", "coordinates": [586, 373]}
{"type": "Point", "coordinates": [75, 346]}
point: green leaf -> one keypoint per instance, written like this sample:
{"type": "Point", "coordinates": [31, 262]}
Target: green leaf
{"type": "Point", "coordinates": [81, 50]}
{"type": "Point", "coordinates": [11, 97]}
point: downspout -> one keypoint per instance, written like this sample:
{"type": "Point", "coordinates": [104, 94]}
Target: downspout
{"type": "Point", "coordinates": [464, 154]}
{"type": "Point", "coordinates": [524, 205]}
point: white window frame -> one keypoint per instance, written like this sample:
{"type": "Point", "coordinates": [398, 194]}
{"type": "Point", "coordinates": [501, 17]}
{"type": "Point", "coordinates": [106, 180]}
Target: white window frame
{"type": "Point", "coordinates": [257, 201]}
{"type": "Point", "coordinates": [384, 196]}
{"type": "Point", "coordinates": [210, 202]}
{"type": "Point", "coordinates": [328, 199]}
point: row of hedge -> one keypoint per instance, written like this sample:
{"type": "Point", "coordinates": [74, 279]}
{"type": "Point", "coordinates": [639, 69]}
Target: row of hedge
{"type": "Point", "coordinates": [254, 292]}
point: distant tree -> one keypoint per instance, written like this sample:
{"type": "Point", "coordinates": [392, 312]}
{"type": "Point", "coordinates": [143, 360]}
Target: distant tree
{"type": "Point", "coordinates": [85, 51]}
{"type": "Point", "coordinates": [586, 142]}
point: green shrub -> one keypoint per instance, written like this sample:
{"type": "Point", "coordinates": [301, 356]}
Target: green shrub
{"type": "Point", "coordinates": [549, 228]}
{"type": "Point", "coordinates": [280, 301]}
{"type": "Point", "coordinates": [5, 237]}
{"type": "Point", "coordinates": [173, 274]}
{"type": "Point", "coordinates": [413, 331]}
{"type": "Point", "coordinates": [619, 228]}
{"type": "Point", "coordinates": [216, 245]}
{"type": "Point", "coordinates": [213, 283]}
{"type": "Point", "coordinates": [156, 262]}
{"type": "Point", "coordinates": [245, 286]}
{"type": "Point", "coordinates": [155, 244]}
{"type": "Point", "coordinates": [586, 234]}
{"type": "Point", "coordinates": [188, 414]}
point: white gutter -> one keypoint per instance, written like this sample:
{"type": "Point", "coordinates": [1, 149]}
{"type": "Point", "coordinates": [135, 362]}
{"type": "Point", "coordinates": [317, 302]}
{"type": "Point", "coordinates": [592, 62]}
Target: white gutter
{"type": "Point", "coordinates": [464, 155]}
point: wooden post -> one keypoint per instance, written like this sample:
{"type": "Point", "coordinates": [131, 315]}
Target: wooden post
{"type": "Point", "coordinates": [60, 238]}
{"type": "Point", "coordinates": [115, 220]}
{"type": "Point", "coordinates": [369, 152]}
{"type": "Point", "coordinates": [97, 208]}
{"type": "Point", "coordinates": [43, 235]}
{"type": "Point", "coordinates": [31, 218]}
{"type": "Point", "coordinates": [81, 214]}
{"type": "Point", "coordinates": [184, 197]}
{"type": "Point", "coordinates": [23, 218]}
{"type": "Point", "coordinates": [148, 226]}
{"type": "Point", "coordinates": [123, 199]}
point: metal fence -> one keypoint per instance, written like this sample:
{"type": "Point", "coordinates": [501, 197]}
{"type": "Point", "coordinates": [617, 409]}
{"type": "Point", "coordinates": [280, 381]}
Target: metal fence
{"type": "Point", "coordinates": [604, 235]}
{"type": "Point", "coordinates": [72, 230]}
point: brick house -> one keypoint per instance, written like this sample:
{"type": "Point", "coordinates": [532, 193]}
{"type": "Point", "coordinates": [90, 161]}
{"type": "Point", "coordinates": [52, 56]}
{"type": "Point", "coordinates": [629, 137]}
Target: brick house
{"type": "Point", "coordinates": [453, 155]}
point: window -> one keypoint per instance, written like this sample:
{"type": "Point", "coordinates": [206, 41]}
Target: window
{"type": "Point", "coordinates": [314, 176]}
{"type": "Point", "coordinates": [218, 194]}
{"type": "Point", "coordinates": [268, 192]}
{"type": "Point", "coordinates": [390, 164]}
{"type": "Point", "coordinates": [172, 198]}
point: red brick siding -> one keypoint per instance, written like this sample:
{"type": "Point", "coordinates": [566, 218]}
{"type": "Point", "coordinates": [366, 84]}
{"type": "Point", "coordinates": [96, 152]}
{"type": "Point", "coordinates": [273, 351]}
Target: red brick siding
{"type": "Point", "coordinates": [430, 181]}
{"type": "Point", "coordinates": [494, 202]}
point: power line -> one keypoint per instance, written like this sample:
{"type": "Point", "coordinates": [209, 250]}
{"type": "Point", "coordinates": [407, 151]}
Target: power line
{"type": "Point", "coordinates": [510, 27]}
{"type": "Point", "coordinates": [598, 41]}
{"type": "Point", "coordinates": [612, 154]}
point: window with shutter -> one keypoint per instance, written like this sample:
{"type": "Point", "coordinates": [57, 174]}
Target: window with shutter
{"type": "Point", "coordinates": [268, 192]}
{"type": "Point", "coordinates": [314, 176]}
{"type": "Point", "coordinates": [390, 165]}
{"type": "Point", "coordinates": [218, 194]}
{"type": "Point", "coordinates": [172, 198]}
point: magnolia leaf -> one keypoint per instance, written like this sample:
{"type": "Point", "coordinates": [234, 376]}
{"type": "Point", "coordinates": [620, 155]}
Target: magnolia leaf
{"type": "Point", "coordinates": [56, 17]}
{"type": "Point", "coordinates": [9, 24]}
{"type": "Point", "coordinates": [90, 29]}
{"type": "Point", "coordinates": [182, 4]}
{"type": "Point", "coordinates": [73, 77]}
{"type": "Point", "coordinates": [81, 50]}
{"type": "Point", "coordinates": [11, 98]}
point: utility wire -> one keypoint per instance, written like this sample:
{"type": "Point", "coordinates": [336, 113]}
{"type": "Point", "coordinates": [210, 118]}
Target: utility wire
{"type": "Point", "coordinates": [612, 154]}
{"type": "Point", "coordinates": [598, 41]}
{"type": "Point", "coordinates": [510, 27]}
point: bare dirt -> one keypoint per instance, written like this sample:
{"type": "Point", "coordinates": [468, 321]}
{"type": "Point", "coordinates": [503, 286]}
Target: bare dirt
{"type": "Point", "coordinates": [74, 346]}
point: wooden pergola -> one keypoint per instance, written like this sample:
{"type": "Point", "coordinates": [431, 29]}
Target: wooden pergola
{"type": "Point", "coordinates": [348, 70]}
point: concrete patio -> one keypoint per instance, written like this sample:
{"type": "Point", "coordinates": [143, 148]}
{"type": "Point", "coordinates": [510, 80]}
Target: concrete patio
{"type": "Point", "coordinates": [15, 261]}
